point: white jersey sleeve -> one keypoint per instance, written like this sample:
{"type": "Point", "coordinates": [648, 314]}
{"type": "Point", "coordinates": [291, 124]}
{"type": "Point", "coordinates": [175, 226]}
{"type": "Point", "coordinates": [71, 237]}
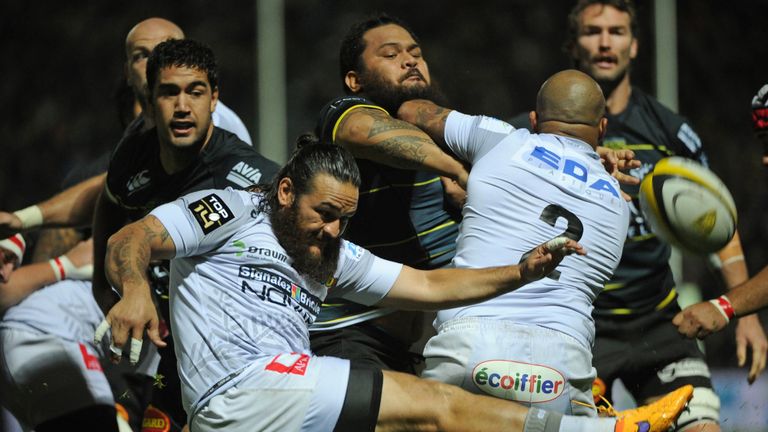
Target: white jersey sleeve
{"type": "Point", "coordinates": [362, 276]}
{"type": "Point", "coordinates": [225, 118]}
{"type": "Point", "coordinates": [202, 221]}
{"type": "Point", "coordinates": [472, 137]}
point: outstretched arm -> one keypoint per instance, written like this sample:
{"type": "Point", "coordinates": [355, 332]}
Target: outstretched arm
{"type": "Point", "coordinates": [742, 300]}
{"type": "Point", "coordinates": [371, 133]}
{"type": "Point", "coordinates": [128, 255]}
{"type": "Point", "coordinates": [447, 288]}
{"type": "Point", "coordinates": [75, 264]}
{"type": "Point", "coordinates": [70, 208]}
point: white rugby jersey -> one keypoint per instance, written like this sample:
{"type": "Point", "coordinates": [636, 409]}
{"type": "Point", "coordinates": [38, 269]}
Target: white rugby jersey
{"type": "Point", "coordinates": [523, 190]}
{"type": "Point", "coordinates": [65, 309]}
{"type": "Point", "coordinates": [235, 296]}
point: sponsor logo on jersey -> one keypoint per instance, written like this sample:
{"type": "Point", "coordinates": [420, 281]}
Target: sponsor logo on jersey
{"type": "Point", "coordinates": [691, 140]}
{"type": "Point", "coordinates": [258, 252]}
{"type": "Point", "coordinates": [211, 213]}
{"type": "Point", "coordinates": [244, 175]}
{"type": "Point", "coordinates": [293, 363]}
{"type": "Point", "coordinates": [276, 289]}
{"type": "Point", "coordinates": [495, 125]}
{"type": "Point", "coordinates": [685, 368]}
{"type": "Point", "coordinates": [137, 181]}
{"type": "Point", "coordinates": [91, 361]}
{"type": "Point", "coordinates": [541, 157]}
{"type": "Point", "coordinates": [353, 251]}
{"type": "Point", "coordinates": [155, 420]}
{"type": "Point", "coordinates": [523, 382]}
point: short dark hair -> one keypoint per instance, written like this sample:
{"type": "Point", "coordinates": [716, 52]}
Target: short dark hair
{"type": "Point", "coordinates": [627, 6]}
{"type": "Point", "coordinates": [182, 53]}
{"type": "Point", "coordinates": [353, 44]}
{"type": "Point", "coordinates": [307, 161]}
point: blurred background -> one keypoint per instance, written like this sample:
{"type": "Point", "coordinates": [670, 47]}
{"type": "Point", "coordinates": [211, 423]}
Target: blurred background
{"type": "Point", "coordinates": [62, 64]}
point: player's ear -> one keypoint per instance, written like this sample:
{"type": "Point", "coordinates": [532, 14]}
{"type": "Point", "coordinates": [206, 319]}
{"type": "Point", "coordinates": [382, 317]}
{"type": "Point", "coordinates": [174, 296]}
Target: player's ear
{"type": "Point", "coordinates": [633, 49]}
{"type": "Point", "coordinates": [214, 98]}
{"type": "Point", "coordinates": [285, 195]}
{"type": "Point", "coordinates": [534, 120]}
{"type": "Point", "coordinates": [352, 80]}
{"type": "Point", "coordinates": [601, 128]}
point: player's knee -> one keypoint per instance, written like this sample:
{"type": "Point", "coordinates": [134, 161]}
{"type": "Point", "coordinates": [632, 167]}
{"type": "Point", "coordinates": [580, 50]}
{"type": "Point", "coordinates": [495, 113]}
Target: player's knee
{"type": "Point", "coordinates": [703, 408]}
{"type": "Point", "coordinates": [445, 402]}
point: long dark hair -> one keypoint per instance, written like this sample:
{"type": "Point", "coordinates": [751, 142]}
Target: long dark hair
{"type": "Point", "coordinates": [308, 160]}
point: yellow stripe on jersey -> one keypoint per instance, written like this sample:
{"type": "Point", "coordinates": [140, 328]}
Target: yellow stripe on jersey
{"type": "Point", "coordinates": [344, 114]}
{"type": "Point", "coordinates": [671, 296]}
{"type": "Point", "coordinates": [643, 237]}
{"type": "Point", "coordinates": [613, 286]}
{"type": "Point", "coordinates": [426, 182]}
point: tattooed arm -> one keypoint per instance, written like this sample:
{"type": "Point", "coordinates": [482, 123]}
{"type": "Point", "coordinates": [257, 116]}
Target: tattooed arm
{"type": "Point", "coordinates": [372, 134]}
{"type": "Point", "coordinates": [426, 115]}
{"type": "Point", "coordinates": [128, 255]}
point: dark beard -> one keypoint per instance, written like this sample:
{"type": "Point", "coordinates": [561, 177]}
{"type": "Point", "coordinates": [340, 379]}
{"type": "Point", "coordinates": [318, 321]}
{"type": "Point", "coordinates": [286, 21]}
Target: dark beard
{"type": "Point", "coordinates": [294, 241]}
{"type": "Point", "coordinates": [390, 97]}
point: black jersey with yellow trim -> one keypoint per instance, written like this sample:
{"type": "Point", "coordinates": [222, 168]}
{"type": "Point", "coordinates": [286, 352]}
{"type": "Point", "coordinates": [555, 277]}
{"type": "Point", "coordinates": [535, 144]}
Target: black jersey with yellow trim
{"type": "Point", "coordinates": [137, 182]}
{"type": "Point", "coordinates": [643, 280]}
{"type": "Point", "coordinates": [402, 215]}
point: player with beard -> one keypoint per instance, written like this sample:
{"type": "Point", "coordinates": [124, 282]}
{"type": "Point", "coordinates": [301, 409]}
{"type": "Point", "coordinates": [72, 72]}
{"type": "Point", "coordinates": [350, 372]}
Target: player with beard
{"type": "Point", "coordinates": [242, 304]}
{"type": "Point", "coordinates": [405, 215]}
{"type": "Point", "coordinates": [184, 152]}
{"type": "Point", "coordinates": [636, 340]}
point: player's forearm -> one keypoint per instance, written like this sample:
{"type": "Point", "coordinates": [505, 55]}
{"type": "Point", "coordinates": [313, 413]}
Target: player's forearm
{"type": "Point", "coordinates": [376, 136]}
{"type": "Point", "coordinates": [448, 288]}
{"type": "Point", "coordinates": [130, 250]}
{"type": "Point", "coordinates": [750, 296]}
{"type": "Point", "coordinates": [127, 258]}
{"type": "Point", "coordinates": [732, 262]}
{"type": "Point", "coordinates": [427, 116]}
{"type": "Point", "coordinates": [54, 242]}
{"type": "Point", "coordinates": [74, 206]}
{"type": "Point", "coordinates": [25, 281]}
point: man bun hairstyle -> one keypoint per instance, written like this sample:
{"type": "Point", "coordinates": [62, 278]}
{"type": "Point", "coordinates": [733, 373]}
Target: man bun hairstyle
{"type": "Point", "coordinates": [307, 161]}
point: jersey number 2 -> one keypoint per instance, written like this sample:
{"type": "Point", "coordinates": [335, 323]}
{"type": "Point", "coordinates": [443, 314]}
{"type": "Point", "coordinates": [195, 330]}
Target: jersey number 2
{"type": "Point", "coordinates": [575, 229]}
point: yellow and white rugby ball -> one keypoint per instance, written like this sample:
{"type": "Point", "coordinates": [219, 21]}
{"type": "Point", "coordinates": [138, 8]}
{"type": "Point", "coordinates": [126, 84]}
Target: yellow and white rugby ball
{"type": "Point", "coordinates": [688, 206]}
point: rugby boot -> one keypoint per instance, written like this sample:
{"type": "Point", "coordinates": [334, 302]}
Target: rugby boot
{"type": "Point", "coordinates": [658, 416]}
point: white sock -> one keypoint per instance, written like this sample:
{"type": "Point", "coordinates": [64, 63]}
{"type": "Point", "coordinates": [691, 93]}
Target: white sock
{"type": "Point", "coordinates": [587, 424]}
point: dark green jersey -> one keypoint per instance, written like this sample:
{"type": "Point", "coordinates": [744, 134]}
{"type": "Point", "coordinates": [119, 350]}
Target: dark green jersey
{"type": "Point", "coordinates": [401, 215]}
{"type": "Point", "coordinates": [643, 280]}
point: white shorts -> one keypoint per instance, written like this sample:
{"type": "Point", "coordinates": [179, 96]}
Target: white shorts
{"type": "Point", "coordinates": [288, 392]}
{"type": "Point", "coordinates": [44, 376]}
{"type": "Point", "coordinates": [527, 364]}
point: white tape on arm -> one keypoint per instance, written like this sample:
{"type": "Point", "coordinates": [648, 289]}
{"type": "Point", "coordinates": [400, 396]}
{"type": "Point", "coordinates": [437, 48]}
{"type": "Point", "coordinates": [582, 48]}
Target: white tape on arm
{"type": "Point", "coordinates": [64, 269]}
{"type": "Point", "coordinates": [30, 217]}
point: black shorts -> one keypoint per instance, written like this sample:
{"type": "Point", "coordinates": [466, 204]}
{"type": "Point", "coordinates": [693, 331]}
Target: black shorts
{"type": "Point", "coordinates": [648, 354]}
{"type": "Point", "coordinates": [365, 345]}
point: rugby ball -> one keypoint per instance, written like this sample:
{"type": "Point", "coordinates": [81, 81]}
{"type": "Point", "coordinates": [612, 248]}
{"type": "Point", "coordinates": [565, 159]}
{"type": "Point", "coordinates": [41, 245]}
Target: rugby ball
{"type": "Point", "coordinates": [688, 206]}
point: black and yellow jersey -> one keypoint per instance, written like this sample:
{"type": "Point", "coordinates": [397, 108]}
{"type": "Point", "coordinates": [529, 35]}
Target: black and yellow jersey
{"type": "Point", "coordinates": [401, 216]}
